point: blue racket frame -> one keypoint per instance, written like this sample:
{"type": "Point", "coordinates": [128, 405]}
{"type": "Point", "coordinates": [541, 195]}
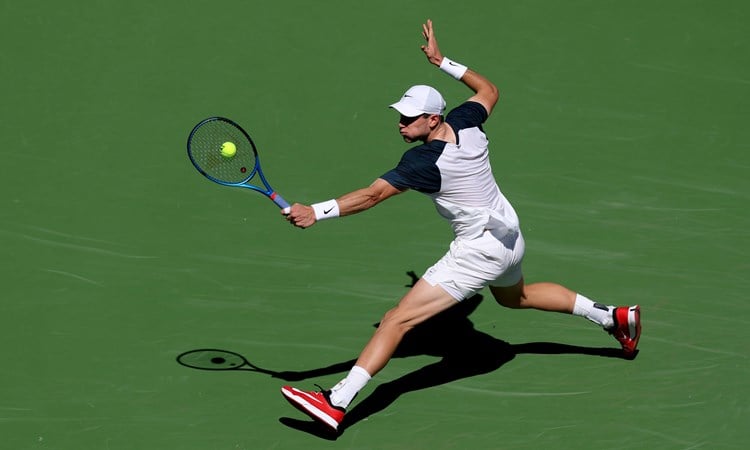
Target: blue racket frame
{"type": "Point", "coordinates": [267, 190]}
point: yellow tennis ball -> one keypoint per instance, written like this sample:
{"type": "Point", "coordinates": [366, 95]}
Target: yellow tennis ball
{"type": "Point", "coordinates": [228, 150]}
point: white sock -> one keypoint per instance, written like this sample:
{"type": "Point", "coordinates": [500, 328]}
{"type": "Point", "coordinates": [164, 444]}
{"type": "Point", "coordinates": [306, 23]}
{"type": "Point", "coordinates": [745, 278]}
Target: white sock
{"type": "Point", "coordinates": [596, 312]}
{"type": "Point", "coordinates": [344, 392]}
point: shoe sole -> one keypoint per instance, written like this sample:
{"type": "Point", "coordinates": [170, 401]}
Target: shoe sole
{"type": "Point", "coordinates": [306, 407]}
{"type": "Point", "coordinates": [634, 327]}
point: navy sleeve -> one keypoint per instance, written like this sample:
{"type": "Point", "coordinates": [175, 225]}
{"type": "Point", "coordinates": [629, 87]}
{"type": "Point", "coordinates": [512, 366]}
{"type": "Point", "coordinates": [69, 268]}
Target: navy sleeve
{"type": "Point", "coordinates": [467, 115]}
{"type": "Point", "coordinates": [417, 169]}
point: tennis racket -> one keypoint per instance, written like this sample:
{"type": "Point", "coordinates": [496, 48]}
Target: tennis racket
{"type": "Point", "coordinates": [215, 359]}
{"type": "Point", "coordinates": [224, 153]}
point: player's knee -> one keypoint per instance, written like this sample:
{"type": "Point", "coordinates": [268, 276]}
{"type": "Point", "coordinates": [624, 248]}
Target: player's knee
{"type": "Point", "coordinates": [510, 302]}
{"type": "Point", "coordinates": [396, 320]}
{"type": "Point", "coordinates": [510, 296]}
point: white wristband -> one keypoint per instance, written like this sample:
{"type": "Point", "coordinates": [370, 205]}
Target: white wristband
{"type": "Point", "coordinates": [453, 68]}
{"type": "Point", "coordinates": [326, 210]}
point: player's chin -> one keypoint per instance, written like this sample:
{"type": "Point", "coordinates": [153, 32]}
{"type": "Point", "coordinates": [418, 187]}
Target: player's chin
{"type": "Point", "coordinates": [407, 139]}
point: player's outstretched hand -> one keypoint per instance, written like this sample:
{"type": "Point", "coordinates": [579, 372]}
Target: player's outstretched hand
{"type": "Point", "coordinates": [300, 215]}
{"type": "Point", "coordinates": [431, 49]}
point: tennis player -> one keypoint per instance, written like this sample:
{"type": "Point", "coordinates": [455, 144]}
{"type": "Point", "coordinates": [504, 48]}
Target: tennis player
{"type": "Point", "coordinates": [451, 166]}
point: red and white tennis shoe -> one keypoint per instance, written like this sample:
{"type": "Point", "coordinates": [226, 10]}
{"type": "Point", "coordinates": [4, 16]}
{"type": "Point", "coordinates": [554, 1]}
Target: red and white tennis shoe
{"type": "Point", "coordinates": [627, 328]}
{"type": "Point", "coordinates": [315, 404]}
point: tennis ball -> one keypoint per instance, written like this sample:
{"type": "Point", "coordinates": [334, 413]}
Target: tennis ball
{"type": "Point", "coordinates": [228, 150]}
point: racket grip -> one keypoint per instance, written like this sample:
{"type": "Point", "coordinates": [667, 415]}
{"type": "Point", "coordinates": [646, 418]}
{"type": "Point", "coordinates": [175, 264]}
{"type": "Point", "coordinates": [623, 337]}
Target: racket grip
{"type": "Point", "coordinates": [279, 200]}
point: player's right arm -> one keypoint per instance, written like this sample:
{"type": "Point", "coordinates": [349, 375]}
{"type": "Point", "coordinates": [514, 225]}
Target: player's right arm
{"type": "Point", "coordinates": [304, 216]}
{"type": "Point", "coordinates": [365, 198]}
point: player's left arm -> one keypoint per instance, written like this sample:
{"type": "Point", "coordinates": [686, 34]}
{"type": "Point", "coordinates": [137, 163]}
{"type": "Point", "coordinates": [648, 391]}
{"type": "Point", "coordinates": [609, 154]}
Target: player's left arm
{"type": "Point", "coordinates": [305, 216]}
{"type": "Point", "coordinates": [485, 92]}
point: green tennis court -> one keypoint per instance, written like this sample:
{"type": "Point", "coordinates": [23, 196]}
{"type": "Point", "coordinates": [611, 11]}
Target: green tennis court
{"type": "Point", "coordinates": [621, 138]}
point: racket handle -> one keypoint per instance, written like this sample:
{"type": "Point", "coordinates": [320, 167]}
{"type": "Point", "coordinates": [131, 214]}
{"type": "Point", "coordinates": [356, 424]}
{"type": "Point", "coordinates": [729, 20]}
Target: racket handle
{"type": "Point", "coordinates": [279, 200]}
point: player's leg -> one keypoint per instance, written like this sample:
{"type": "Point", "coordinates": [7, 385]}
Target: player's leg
{"type": "Point", "coordinates": [624, 323]}
{"type": "Point", "coordinates": [419, 304]}
{"type": "Point", "coordinates": [542, 296]}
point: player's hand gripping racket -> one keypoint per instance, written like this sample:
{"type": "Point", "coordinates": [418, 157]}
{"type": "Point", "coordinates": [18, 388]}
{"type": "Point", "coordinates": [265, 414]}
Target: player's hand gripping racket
{"type": "Point", "coordinates": [224, 153]}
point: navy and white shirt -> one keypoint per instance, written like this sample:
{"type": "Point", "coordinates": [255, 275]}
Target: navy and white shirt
{"type": "Point", "coordinates": [458, 177]}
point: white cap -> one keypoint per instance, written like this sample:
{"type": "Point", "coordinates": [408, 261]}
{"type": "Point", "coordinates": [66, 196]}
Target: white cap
{"type": "Point", "coordinates": [419, 100]}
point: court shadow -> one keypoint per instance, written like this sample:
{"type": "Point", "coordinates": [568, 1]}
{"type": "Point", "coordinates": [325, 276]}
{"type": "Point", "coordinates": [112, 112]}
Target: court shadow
{"type": "Point", "coordinates": [463, 352]}
{"type": "Point", "coordinates": [473, 354]}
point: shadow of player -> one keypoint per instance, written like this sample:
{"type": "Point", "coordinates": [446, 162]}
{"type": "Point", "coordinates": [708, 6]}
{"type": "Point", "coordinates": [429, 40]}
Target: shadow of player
{"type": "Point", "coordinates": [463, 351]}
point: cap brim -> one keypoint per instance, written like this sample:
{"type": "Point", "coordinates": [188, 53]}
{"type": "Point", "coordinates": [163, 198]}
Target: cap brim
{"type": "Point", "coordinates": [406, 109]}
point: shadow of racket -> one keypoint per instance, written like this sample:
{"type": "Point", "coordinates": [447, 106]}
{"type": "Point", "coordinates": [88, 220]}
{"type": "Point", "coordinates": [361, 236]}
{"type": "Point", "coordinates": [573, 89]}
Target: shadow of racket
{"type": "Point", "coordinates": [216, 359]}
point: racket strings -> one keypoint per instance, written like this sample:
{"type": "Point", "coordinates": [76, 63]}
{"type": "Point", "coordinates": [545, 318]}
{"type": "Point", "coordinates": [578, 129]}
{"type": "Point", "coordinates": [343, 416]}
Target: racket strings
{"type": "Point", "coordinates": [205, 150]}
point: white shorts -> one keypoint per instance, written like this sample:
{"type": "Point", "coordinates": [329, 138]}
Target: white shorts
{"type": "Point", "coordinates": [471, 265]}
